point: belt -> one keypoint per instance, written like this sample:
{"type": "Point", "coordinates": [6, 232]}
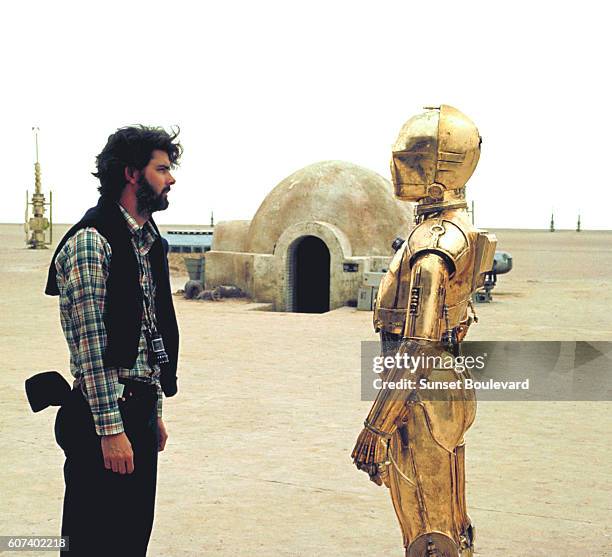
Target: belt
{"type": "Point", "coordinates": [138, 389]}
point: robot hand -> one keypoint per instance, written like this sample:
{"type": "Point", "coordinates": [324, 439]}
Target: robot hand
{"type": "Point", "coordinates": [379, 473]}
{"type": "Point", "coordinates": [373, 470]}
{"type": "Point", "coordinates": [370, 455]}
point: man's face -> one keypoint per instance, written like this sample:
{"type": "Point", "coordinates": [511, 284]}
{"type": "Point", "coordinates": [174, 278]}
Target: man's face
{"type": "Point", "coordinates": [154, 184]}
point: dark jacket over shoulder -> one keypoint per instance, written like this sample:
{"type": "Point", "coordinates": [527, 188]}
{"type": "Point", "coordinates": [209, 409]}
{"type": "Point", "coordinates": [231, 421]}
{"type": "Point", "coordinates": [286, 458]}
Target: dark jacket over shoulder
{"type": "Point", "coordinates": [123, 315]}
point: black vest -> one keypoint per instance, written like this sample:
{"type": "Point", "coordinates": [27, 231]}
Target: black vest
{"type": "Point", "coordinates": [123, 306]}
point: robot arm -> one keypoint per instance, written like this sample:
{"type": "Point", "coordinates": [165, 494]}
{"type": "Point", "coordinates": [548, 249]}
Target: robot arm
{"type": "Point", "coordinates": [430, 272]}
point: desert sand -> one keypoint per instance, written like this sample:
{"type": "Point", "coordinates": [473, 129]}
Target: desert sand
{"type": "Point", "coordinates": [258, 460]}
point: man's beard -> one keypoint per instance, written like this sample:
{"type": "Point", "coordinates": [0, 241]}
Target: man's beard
{"type": "Point", "coordinates": [147, 200]}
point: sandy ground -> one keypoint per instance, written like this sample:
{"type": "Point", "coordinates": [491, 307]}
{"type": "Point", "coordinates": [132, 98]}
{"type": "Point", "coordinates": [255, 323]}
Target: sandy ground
{"type": "Point", "coordinates": [258, 461]}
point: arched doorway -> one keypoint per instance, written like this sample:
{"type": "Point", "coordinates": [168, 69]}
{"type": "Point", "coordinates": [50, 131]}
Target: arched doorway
{"type": "Point", "coordinates": [308, 276]}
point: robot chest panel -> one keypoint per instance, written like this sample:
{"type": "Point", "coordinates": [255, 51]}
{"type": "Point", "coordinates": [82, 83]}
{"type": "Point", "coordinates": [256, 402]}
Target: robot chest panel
{"type": "Point", "coordinates": [394, 292]}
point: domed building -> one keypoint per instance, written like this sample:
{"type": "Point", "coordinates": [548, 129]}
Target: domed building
{"type": "Point", "coordinates": [312, 239]}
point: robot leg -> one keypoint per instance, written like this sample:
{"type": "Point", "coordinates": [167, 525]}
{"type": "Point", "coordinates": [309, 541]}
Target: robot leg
{"type": "Point", "coordinates": [426, 478]}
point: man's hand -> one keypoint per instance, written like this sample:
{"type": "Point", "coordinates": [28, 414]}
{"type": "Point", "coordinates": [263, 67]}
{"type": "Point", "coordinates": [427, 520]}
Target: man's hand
{"type": "Point", "coordinates": [163, 434]}
{"type": "Point", "coordinates": [118, 454]}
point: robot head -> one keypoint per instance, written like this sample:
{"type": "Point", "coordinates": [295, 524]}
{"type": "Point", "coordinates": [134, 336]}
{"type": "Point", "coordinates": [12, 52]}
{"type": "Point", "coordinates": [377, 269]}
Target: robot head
{"type": "Point", "coordinates": [436, 152]}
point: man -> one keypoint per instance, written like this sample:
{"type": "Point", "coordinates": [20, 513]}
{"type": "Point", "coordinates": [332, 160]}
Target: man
{"type": "Point", "coordinates": [110, 272]}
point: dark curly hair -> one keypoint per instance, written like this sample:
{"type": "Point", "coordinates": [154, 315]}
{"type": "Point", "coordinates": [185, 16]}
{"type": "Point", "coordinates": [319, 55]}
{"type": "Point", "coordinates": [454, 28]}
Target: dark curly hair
{"type": "Point", "coordinates": [132, 147]}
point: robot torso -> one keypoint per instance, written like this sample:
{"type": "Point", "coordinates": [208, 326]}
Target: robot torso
{"type": "Point", "coordinates": [466, 252]}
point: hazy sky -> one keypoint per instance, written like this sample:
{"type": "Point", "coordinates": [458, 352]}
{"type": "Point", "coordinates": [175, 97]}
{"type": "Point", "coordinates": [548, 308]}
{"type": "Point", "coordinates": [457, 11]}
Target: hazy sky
{"type": "Point", "coordinates": [261, 89]}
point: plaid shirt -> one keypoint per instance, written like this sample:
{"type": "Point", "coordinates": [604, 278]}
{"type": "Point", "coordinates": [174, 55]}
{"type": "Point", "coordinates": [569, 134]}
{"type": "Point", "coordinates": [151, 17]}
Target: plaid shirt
{"type": "Point", "coordinates": [82, 269]}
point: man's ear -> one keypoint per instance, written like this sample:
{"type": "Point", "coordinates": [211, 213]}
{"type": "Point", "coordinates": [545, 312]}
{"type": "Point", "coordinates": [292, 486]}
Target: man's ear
{"type": "Point", "coordinates": [131, 175]}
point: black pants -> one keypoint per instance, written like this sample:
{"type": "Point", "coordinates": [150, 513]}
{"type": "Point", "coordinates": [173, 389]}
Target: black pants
{"type": "Point", "coordinates": [106, 513]}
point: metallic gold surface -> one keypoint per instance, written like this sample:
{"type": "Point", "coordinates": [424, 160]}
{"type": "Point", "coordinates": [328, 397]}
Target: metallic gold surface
{"type": "Point", "coordinates": [427, 294]}
{"type": "Point", "coordinates": [413, 441]}
{"type": "Point", "coordinates": [467, 253]}
{"type": "Point", "coordinates": [435, 152]}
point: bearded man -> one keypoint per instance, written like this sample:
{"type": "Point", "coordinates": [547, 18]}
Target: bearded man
{"type": "Point", "coordinates": [110, 272]}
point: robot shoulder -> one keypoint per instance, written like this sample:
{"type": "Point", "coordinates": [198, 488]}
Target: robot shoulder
{"type": "Point", "coordinates": [441, 236]}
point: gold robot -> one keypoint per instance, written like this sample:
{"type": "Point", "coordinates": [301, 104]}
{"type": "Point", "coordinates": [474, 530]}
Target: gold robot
{"type": "Point", "coordinates": [413, 441]}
